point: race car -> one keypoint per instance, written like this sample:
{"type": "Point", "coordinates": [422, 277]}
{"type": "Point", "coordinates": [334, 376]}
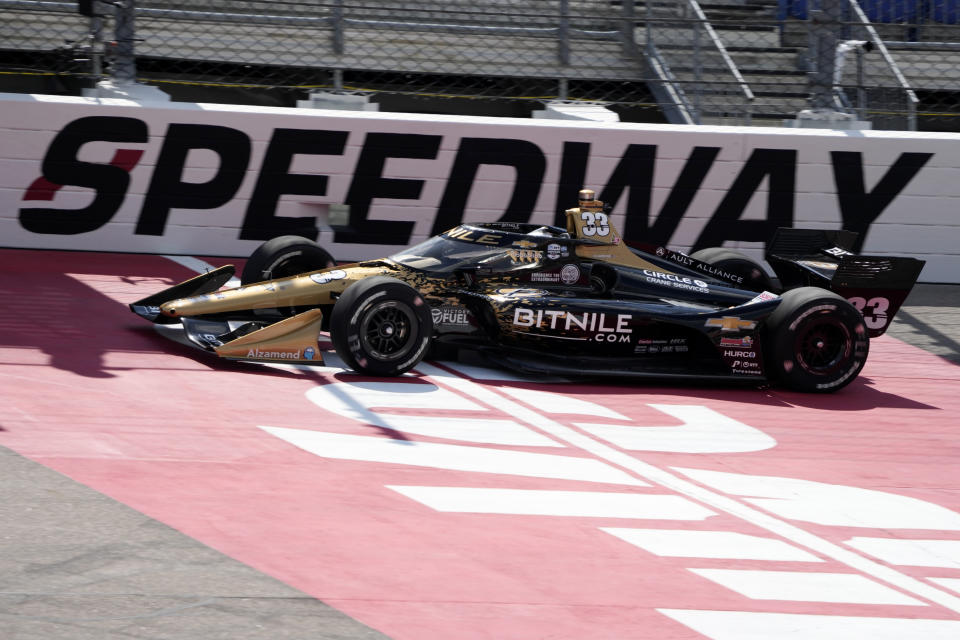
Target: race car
{"type": "Point", "coordinates": [573, 300]}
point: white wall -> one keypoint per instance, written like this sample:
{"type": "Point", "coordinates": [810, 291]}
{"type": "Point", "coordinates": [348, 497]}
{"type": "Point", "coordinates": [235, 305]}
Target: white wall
{"type": "Point", "coordinates": [907, 184]}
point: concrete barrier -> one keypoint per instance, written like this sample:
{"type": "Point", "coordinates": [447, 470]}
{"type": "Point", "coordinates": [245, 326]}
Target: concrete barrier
{"type": "Point", "coordinates": [205, 179]}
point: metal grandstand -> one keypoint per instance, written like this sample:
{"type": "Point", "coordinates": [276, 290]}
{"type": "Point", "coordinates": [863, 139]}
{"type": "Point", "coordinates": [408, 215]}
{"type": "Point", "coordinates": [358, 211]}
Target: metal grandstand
{"type": "Point", "coordinates": [760, 62]}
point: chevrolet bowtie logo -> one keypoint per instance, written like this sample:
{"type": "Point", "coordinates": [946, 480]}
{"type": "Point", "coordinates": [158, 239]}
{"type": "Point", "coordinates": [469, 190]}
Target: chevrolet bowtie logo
{"type": "Point", "coordinates": [729, 323]}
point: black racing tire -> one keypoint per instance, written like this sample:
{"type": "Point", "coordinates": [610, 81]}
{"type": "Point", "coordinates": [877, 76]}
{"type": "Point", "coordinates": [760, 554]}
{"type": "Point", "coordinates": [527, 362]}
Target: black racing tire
{"type": "Point", "coordinates": [815, 341]}
{"type": "Point", "coordinates": [754, 276]}
{"type": "Point", "coordinates": [381, 326]}
{"type": "Point", "coordinates": [283, 257]}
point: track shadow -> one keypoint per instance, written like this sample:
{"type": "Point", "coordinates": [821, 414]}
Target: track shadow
{"type": "Point", "coordinates": [859, 395]}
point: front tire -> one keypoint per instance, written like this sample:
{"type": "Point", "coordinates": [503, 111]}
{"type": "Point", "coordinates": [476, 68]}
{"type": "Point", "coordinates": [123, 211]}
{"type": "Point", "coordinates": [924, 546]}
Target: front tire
{"type": "Point", "coordinates": [381, 326]}
{"type": "Point", "coordinates": [283, 257]}
{"type": "Point", "coordinates": [816, 341]}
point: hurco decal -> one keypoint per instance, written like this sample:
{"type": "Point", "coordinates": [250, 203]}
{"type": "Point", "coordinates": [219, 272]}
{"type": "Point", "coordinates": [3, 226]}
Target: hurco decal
{"type": "Point", "coordinates": [675, 281]}
{"type": "Point", "coordinates": [607, 327]}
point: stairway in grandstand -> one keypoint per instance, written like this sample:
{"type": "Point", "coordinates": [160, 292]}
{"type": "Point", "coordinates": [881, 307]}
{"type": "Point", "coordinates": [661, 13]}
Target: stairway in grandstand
{"type": "Point", "coordinates": [751, 36]}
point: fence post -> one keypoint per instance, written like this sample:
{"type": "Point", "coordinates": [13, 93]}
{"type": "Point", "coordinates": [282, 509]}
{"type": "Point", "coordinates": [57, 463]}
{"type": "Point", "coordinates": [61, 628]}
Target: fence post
{"type": "Point", "coordinates": [124, 70]}
{"type": "Point", "coordinates": [563, 33]}
{"type": "Point", "coordinates": [338, 27]}
{"type": "Point", "coordinates": [627, 26]}
{"type": "Point", "coordinates": [825, 24]}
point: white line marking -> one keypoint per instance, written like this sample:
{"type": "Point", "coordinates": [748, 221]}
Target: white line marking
{"type": "Point", "coordinates": [801, 586]}
{"type": "Point", "coordinates": [729, 545]}
{"type": "Point", "coordinates": [703, 431]}
{"type": "Point", "coordinates": [451, 456]}
{"type": "Point", "coordinates": [356, 400]}
{"type": "Point", "coordinates": [949, 583]}
{"type": "Point", "coordinates": [744, 625]}
{"type": "Point", "coordinates": [587, 504]}
{"type": "Point", "coordinates": [550, 402]}
{"type": "Point", "coordinates": [715, 500]}
{"type": "Point", "coordinates": [914, 553]}
{"type": "Point", "coordinates": [829, 504]}
{"type": "Point", "coordinates": [486, 373]}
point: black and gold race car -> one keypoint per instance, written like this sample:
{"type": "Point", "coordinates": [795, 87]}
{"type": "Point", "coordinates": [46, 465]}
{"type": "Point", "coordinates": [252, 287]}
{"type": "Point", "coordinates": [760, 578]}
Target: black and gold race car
{"type": "Point", "coordinates": [571, 301]}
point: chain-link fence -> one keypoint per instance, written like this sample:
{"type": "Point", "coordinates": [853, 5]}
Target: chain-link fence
{"type": "Point", "coordinates": [893, 63]}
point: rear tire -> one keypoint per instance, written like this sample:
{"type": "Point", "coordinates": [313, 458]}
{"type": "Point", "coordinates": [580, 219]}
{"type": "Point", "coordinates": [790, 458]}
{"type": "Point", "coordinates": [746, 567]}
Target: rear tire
{"type": "Point", "coordinates": [754, 276]}
{"type": "Point", "coordinates": [283, 257]}
{"type": "Point", "coordinates": [815, 341]}
{"type": "Point", "coordinates": [381, 326]}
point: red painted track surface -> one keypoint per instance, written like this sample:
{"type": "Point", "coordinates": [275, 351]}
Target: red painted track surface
{"type": "Point", "coordinates": [422, 541]}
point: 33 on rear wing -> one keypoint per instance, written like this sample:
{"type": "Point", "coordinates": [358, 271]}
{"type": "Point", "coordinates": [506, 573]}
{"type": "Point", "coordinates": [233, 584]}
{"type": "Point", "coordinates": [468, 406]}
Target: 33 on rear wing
{"type": "Point", "coordinates": [876, 285]}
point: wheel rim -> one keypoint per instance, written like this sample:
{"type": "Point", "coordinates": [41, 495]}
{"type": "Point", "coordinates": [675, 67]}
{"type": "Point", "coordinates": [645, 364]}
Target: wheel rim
{"type": "Point", "coordinates": [387, 331]}
{"type": "Point", "coordinates": [822, 347]}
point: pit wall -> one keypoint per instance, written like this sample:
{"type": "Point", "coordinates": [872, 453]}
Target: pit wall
{"type": "Point", "coordinates": [217, 180]}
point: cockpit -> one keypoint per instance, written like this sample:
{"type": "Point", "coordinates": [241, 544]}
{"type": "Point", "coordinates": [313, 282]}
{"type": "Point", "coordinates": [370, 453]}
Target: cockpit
{"type": "Point", "coordinates": [495, 246]}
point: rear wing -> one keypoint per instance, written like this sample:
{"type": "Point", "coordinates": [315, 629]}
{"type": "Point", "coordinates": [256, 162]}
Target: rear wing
{"type": "Point", "coordinates": [876, 285]}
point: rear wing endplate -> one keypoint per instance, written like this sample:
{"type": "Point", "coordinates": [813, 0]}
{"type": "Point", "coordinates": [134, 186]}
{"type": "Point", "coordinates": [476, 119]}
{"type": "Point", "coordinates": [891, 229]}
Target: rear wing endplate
{"type": "Point", "coordinates": [876, 285]}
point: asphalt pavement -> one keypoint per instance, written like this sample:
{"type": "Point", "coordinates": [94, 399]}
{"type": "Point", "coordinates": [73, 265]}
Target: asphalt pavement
{"type": "Point", "coordinates": [930, 319]}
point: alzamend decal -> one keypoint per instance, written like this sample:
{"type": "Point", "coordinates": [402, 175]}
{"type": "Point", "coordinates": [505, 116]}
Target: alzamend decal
{"type": "Point", "coordinates": [328, 276]}
{"type": "Point", "coordinates": [731, 323]}
{"type": "Point", "coordinates": [274, 355]}
{"type": "Point", "coordinates": [675, 281]}
{"type": "Point", "coordinates": [570, 274]}
{"type": "Point", "coordinates": [309, 353]}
